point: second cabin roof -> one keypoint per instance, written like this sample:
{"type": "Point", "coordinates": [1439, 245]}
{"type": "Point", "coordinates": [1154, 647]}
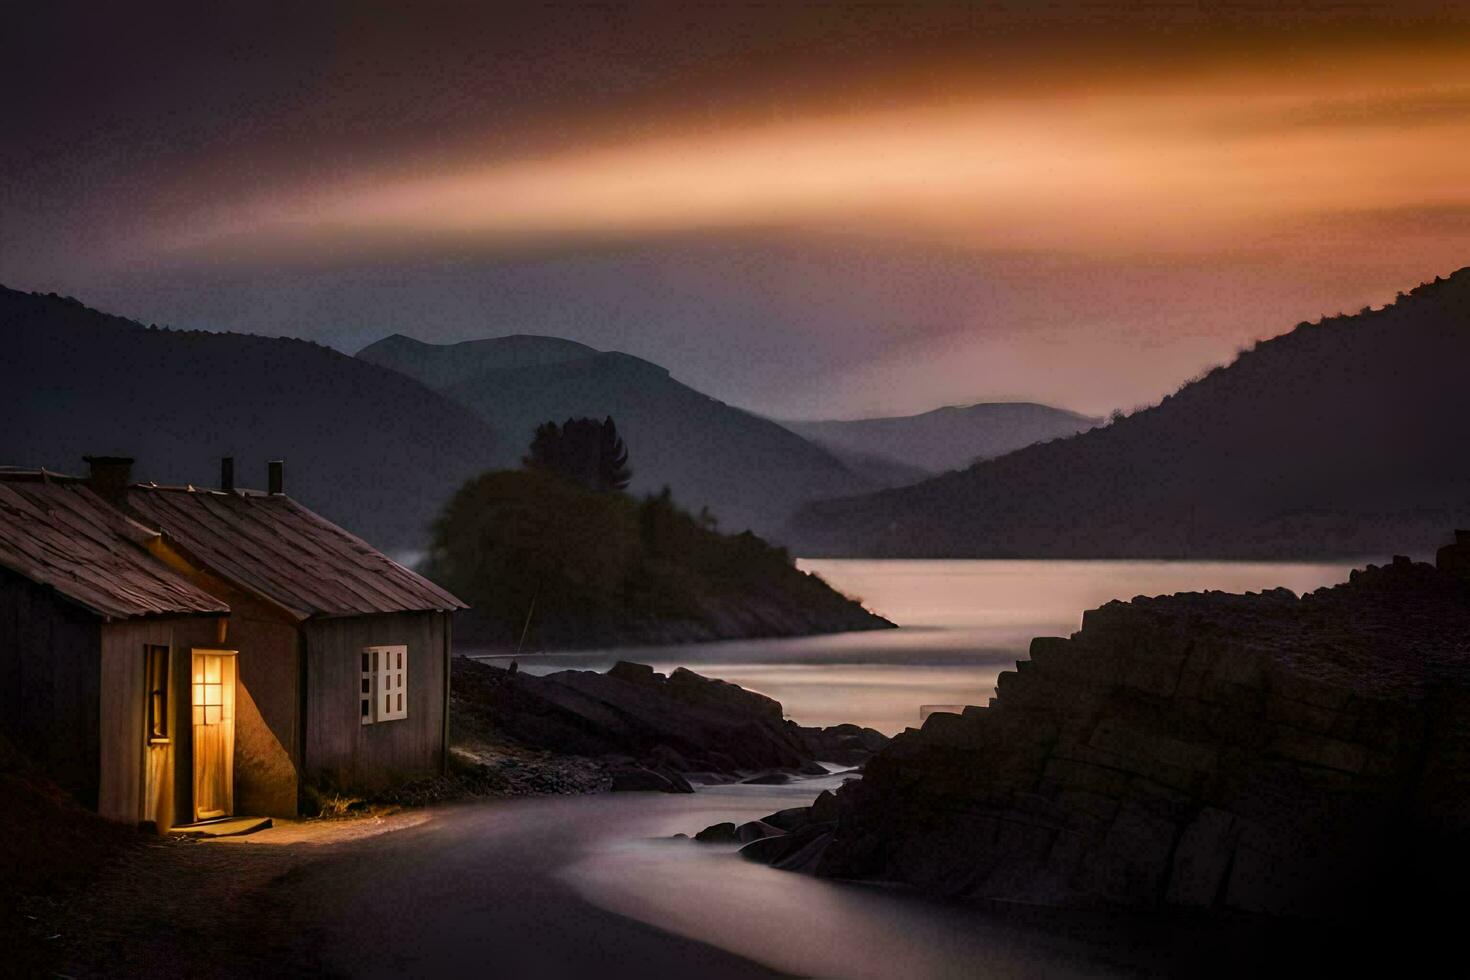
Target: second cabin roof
{"type": "Point", "coordinates": [273, 546]}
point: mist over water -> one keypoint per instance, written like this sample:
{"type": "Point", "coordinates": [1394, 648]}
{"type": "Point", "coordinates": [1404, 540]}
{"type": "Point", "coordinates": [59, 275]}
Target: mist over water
{"type": "Point", "coordinates": [960, 624]}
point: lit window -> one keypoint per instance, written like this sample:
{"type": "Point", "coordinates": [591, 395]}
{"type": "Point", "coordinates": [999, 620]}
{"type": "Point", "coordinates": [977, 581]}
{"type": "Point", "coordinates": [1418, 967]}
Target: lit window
{"type": "Point", "coordinates": [383, 691]}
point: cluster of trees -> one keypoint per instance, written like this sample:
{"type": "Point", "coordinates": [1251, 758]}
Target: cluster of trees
{"type": "Point", "coordinates": [583, 451]}
{"type": "Point", "coordinates": [557, 546]}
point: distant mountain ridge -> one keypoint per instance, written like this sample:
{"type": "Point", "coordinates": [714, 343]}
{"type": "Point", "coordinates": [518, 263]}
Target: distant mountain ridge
{"type": "Point", "coordinates": [445, 365]}
{"type": "Point", "coordinates": [370, 449]}
{"type": "Point", "coordinates": [749, 471]}
{"type": "Point", "coordinates": [1337, 439]}
{"type": "Point", "coordinates": [947, 438]}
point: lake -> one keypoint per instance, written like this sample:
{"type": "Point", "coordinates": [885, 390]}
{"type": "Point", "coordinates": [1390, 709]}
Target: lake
{"type": "Point", "coordinates": [960, 624]}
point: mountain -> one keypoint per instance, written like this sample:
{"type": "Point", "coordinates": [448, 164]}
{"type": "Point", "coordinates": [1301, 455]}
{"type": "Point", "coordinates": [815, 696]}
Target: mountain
{"type": "Point", "coordinates": [445, 365]}
{"type": "Point", "coordinates": [1340, 438]}
{"type": "Point", "coordinates": [366, 447]}
{"type": "Point", "coordinates": [748, 470]}
{"type": "Point", "coordinates": [879, 472]}
{"type": "Point", "coordinates": [947, 438]}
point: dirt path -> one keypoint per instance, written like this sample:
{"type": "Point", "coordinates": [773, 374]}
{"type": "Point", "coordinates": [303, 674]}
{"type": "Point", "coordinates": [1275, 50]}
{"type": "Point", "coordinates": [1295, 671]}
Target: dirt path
{"type": "Point", "coordinates": [470, 888]}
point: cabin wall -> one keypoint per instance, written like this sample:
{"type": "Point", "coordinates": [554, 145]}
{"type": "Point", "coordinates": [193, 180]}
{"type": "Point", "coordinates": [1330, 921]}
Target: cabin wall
{"type": "Point", "coordinates": [50, 683]}
{"type": "Point", "coordinates": [268, 735]}
{"type": "Point", "coordinates": [267, 708]}
{"type": "Point", "coordinates": [342, 753]}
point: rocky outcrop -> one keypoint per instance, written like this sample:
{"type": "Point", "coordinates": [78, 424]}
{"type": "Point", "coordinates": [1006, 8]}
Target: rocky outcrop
{"type": "Point", "coordinates": [1259, 752]}
{"type": "Point", "coordinates": [655, 729]}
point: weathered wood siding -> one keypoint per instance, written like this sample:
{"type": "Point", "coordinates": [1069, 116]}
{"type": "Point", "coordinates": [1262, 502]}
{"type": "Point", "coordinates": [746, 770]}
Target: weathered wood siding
{"type": "Point", "coordinates": [142, 782]}
{"type": "Point", "coordinates": [50, 683]}
{"type": "Point", "coordinates": [340, 751]}
{"type": "Point", "coordinates": [268, 735]}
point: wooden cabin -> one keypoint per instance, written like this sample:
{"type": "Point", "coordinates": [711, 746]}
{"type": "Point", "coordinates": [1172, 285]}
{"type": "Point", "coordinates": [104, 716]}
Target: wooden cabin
{"type": "Point", "coordinates": [317, 661]}
{"type": "Point", "coordinates": [96, 639]}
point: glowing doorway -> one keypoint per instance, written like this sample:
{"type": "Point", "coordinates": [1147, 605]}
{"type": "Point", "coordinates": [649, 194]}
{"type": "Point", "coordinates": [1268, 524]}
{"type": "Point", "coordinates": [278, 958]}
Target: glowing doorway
{"type": "Point", "coordinates": [214, 733]}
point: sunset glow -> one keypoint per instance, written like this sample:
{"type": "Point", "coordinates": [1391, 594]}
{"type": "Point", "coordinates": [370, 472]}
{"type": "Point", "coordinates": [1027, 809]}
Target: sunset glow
{"type": "Point", "coordinates": [847, 210]}
{"type": "Point", "coordinates": [1198, 165]}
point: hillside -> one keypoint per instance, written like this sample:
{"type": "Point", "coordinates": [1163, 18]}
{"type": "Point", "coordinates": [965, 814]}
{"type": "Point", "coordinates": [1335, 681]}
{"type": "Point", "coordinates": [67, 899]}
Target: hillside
{"type": "Point", "coordinates": [375, 451]}
{"type": "Point", "coordinates": [947, 438]}
{"type": "Point", "coordinates": [445, 365]}
{"type": "Point", "coordinates": [749, 471]}
{"type": "Point", "coordinates": [879, 472]}
{"type": "Point", "coordinates": [1340, 438]}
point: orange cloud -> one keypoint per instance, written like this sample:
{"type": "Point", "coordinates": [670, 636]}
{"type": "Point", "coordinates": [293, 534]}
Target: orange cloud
{"type": "Point", "coordinates": [1211, 161]}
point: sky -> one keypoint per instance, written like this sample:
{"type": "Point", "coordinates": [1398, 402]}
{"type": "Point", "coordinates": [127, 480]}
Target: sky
{"type": "Point", "coordinates": [825, 210]}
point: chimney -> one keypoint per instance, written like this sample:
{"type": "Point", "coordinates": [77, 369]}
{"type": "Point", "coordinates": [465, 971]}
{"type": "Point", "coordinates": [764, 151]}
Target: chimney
{"type": "Point", "coordinates": [276, 476]}
{"type": "Point", "coordinates": [109, 477]}
{"type": "Point", "coordinates": [227, 474]}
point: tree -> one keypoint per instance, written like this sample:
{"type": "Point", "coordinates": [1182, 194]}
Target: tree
{"type": "Point", "coordinates": [584, 451]}
{"type": "Point", "coordinates": [513, 542]}
{"type": "Point", "coordinates": [612, 459]}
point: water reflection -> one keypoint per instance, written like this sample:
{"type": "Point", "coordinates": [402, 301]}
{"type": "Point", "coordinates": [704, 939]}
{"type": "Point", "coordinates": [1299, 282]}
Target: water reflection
{"type": "Point", "coordinates": [962, 623]}
{"type": "Point", "coordinates": [798, 924]}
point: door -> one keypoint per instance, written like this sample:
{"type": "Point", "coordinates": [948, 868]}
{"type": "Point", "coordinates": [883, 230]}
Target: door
{"type": "Point", "coordinates": [213, 704]}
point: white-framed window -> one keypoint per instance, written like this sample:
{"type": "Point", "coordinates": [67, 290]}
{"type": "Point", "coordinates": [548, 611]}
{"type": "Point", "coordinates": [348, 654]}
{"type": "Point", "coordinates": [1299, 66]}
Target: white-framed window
{"type": "Point", "coordinates": [383, 694]}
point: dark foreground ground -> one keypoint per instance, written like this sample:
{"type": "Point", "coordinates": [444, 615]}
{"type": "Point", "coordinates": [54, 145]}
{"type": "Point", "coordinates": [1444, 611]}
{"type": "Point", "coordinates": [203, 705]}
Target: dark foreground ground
{"type": "Point", "coordinates": [594, 886]}
{"type": "Point", "coordinates": [458, 890]}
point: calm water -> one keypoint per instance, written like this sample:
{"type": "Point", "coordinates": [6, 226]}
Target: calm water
{"type": "Point", "coordinates": [961, 623]}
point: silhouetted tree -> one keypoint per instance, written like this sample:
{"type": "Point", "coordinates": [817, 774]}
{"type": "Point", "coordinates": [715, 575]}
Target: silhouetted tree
{"type": "Point", "coordinates": [612, 459]}
{"type": "Point", "coordinates": [584, 451]}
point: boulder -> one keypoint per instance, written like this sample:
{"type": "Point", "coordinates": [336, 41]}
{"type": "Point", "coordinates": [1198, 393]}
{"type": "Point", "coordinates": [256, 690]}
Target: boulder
{"type": "Point", "coordinates": [677, 782]}
{"type": "Point", "coordinates": [720, 833]}
{"type": "Point", "coordinates": [845, 745]}
{"type": "Point", "coordinates": [770, 778]}
{"type": "Point", "coordinates": [790, 819]}
{"type": "Point", "coordinates": [625, 670]}
{"type": "Point", "coordinates": [824, 808]}
{"type": "Point", "coordinates": [638, 780]}
{"type": "Point", "coordinates": [679, 723]}
{"type": "Point", "coordinates": [755, 830]}
{"type": "Point", "coordinates": [668, 758]}
{"type": "Point", "coordinates": [796, 851]}
{"type": "Point", "coordinates": [710, 778]}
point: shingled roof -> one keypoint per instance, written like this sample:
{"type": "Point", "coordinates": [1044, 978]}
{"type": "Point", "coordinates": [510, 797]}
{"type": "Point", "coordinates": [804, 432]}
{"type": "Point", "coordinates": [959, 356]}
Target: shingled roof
{"type": "Point", "coordinates": [270, 545]}
{"type": "Point", "coordinates": [58, 533]}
